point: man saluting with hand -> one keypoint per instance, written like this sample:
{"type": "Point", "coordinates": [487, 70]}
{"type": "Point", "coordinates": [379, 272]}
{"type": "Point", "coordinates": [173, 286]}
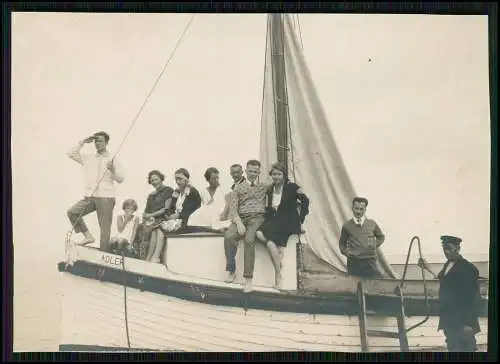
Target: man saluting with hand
{"type": "Point", "coordinates": [458, 295]}
{"type": "Point", "coordinates": [100, 172]}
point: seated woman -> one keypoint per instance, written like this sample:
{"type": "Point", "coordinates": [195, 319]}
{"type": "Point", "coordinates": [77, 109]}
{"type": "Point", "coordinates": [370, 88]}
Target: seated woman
{"type": "Point", "coordinates": [157, 206]}
{"type": "Point", "coordinates": [125, 229]}
{"type": "Point", "coordinates": [213, 204]}
{"type": "Point", "coordinates": [185, 200]}
{"type": "Point", "coordinates": [283, 217]}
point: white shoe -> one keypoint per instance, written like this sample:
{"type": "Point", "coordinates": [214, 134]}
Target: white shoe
{"type": "Point", "coordinates": [86, 241]}
{"type": "Point", "coordinates": [231, 277]}
{"type": "Point", "coordinates": [248, 285]}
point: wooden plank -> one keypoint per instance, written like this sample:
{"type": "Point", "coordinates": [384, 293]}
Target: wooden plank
{"type": "Point", "coordinates": [400, 319]}
{"type": "Point", "coordinates": [380, 333]}
{"type": "Point", "coordinates": [362, 318]}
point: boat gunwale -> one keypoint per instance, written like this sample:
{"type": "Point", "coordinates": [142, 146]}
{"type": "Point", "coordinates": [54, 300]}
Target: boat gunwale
{"type": "Point", "coordinates": [325, 274]}
{"type": "Point", "coordinates": [288, 301]}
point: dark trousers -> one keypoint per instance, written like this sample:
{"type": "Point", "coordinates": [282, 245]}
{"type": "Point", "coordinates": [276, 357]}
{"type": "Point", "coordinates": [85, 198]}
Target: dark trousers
{"type": "Point", "coordinates": [459, 340]}
{"type": "Point", "coordinates": [365, 268]}
{"type": "Point", "coordinates": [103, 206]}
{"type": "Point", "coordinates": [231, 240]}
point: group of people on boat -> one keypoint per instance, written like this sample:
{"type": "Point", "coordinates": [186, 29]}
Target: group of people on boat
{"type": "Point", "coordinates": [251, 211]}
{"type": "Point", "coordinates": [254, 211]}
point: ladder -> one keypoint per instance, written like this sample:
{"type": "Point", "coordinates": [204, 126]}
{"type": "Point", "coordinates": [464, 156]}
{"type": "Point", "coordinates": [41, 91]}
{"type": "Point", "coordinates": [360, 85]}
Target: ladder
{"type": "Point", "coordinates": [402, 333]}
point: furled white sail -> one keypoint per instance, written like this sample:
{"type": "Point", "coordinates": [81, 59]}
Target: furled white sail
{"type": "Point", "coordinates": [317, 164]}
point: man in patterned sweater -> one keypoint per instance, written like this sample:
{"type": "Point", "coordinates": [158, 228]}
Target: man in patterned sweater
{"type": "Point", "coordinates": [359, 239]}
{"type": "Point", "coordinates": [247, 208]}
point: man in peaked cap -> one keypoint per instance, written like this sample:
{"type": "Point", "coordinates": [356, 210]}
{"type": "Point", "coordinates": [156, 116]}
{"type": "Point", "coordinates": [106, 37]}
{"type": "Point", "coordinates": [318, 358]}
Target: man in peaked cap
{"type": "Point", "coordinates": [458, 297]}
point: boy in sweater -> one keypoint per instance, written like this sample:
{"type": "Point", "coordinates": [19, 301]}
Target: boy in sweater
{"type": "Point", "coordinates": [359, 239]}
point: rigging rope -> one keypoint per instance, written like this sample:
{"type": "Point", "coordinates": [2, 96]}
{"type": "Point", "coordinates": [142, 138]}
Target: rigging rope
{"type": "Point", "coordinates": [156, 81]}
{"type": "Point", "coordinates": [137, 115]}
{"type": "Point", "coordinates": [125, 296]}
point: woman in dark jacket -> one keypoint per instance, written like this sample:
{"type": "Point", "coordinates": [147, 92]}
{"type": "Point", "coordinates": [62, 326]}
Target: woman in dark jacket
{"type": "Point", "coordinates": [287, 208]}
{"type": "Point", "coordinates": [185, 200]}
{"type": "Point", "coordinates": [157, 205]}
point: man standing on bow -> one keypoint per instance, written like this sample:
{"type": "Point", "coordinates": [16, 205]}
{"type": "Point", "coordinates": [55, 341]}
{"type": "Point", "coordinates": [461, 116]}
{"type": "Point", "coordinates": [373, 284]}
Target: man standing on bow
{"type": "Point", "coordinates": [100, 173]}
{"type": "Point", "coordinates": [247, 209]}
{"type": "Point", "coordinates": [459, 295]}
{"type": "Point", "coordinates": [359, 239]}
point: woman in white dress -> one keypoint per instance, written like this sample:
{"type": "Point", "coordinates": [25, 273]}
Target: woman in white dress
{"type": "Point", "coordinates": [213, 202]}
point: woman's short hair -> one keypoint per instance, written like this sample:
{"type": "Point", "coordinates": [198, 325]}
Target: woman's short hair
{"type": "Point", "coordinates": [209, 172]}
{"type": "Point", "coordinates": [155, 172]}
{"type": "Point", "coordinates": [278, 166]}
{"type": "Point", "coordinates": [129, 203]}
{"type": "Point", "coordinates": [183, 171]}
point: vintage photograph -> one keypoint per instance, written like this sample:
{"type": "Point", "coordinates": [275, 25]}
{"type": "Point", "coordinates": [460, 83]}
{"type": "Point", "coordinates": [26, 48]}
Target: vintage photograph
{"type": "Point", "coordinates": [250, 182]}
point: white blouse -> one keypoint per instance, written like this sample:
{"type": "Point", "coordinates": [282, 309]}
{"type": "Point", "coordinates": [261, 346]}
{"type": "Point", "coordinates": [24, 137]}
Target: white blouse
{"type": "Point", "coordinates": [276, 198]}
{"type": "Point", "coordinates": [180, 200]}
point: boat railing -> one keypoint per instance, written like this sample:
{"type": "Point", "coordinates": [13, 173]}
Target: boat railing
{"type": "Point", "coordinates": [365, 332]}
{"type": "Point", "coordinates": [402, 330]}
{"type": "Point", "coordinates": [400, 287]}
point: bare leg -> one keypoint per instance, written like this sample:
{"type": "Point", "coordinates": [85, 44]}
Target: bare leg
{"type": "Point", "coordinates": [127, 245]}
{"type": "Point", "coordinates": [159, 244]}
{"type": "Point", "coordinates": [260, 235]}
{"type": "Point", "coordinates": [113, 243]}
{"type": "Point", "coordinates": [276, 257]}
{"type": "Point", "coordinates": [122, 243]}
{"type": "Point", "coordinates": [152, 246]}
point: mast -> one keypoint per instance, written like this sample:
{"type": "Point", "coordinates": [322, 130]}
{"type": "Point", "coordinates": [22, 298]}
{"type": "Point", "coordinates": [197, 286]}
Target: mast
{"type": "Point", "coordinates": [279, 85]}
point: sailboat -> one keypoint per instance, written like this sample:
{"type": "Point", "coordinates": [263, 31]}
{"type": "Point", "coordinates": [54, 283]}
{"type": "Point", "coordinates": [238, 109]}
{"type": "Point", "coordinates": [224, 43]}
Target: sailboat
{"type": "Point", "coordinates": [184, 304]}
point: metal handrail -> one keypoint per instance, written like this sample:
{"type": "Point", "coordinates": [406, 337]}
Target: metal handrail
{"type": "Point", "coordinates": [401, 283]}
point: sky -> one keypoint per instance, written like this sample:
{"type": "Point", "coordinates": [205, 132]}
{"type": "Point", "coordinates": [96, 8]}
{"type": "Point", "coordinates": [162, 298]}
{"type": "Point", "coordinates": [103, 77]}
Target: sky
{"type": "Point", "coordinates": [412, 123]}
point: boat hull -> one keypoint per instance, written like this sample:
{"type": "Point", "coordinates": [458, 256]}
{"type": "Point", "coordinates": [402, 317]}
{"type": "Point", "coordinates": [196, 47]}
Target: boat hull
{"type": "Point", "coordinates": [316, 293]}
{"type": "Point", "coordinates": [93, 318]}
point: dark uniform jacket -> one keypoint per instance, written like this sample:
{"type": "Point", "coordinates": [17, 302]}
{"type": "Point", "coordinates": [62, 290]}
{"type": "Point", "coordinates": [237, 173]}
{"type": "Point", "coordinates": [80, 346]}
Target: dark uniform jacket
{"type": "Point", "coordinates": [459, 296]}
